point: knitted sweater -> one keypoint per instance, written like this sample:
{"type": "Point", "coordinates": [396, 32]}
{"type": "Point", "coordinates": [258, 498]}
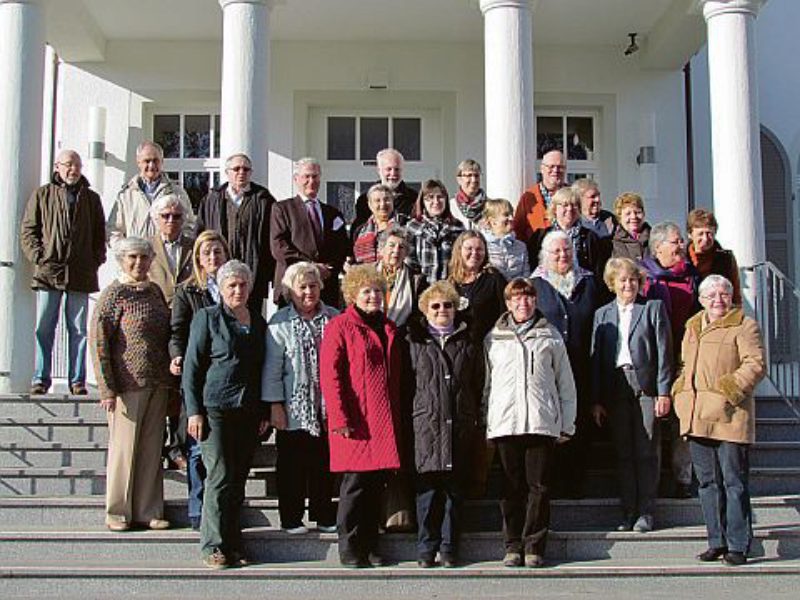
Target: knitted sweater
{"type": "Point", "coordinates": [129, 333]}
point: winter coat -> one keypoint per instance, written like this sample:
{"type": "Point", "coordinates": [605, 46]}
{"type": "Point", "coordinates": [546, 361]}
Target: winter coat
{"type": "Point", "coordinates": [443, 382]}
{"type": "Point", "coordinates": [189, 298]}
{"type": "Point", "coordinates": [587, 249]}
{"type": "Point", "coordinates": [360, 382]}
{"type": "Point", "coordinates": [623, 244]}
{"type": "Point", "coordinates": [722, 363]}
{"type": "Point", "coordinates": [160, 272]}
{"type": "Point", "coordinates": [66, 249]}
{"type": "Point", "coordinates": [721, 262]}
{"type": "Point", "coordinates": [529, 387]}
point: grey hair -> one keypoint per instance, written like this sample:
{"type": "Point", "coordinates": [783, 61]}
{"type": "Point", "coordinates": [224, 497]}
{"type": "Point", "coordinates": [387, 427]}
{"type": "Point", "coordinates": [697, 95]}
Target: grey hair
{"type": "Point", "coordinates": [229, 160]}
{"type": "Point", "coordinates": [547, 243]}
{"type": "Point", "coordinates": [163, 203]}
{"type": "Point", "coordinates": [469, 165]}
{"type": "Point", "coordinates": [235, 268]}
{"type": "Point", "coordinates": [306, 160]}
{"type": "Point", "coordinates": [659, 233]}
{"type": "Point", "coordinates": [379, 187]}
{"type": "Point", "coordinates": [394, 231]}
{"type": "Point", "coordinates": [581, 186]}
{"type": "Point", "coordinates": [297, 271]}
{"type": "Point", "coordinates": [713, 281]}
{"type": "Point", "coordinates": [126, 245]}
{"type": "Point", "coordinates": [150, 144]}
{"type": "Point", "coordinates": [386, 152]}
{"type": "Point", "coordinates": [68, 153]}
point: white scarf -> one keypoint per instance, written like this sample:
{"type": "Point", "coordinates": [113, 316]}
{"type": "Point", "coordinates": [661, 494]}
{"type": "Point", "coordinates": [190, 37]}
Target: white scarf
{"type": "Point", "coordinates": [401, 299]}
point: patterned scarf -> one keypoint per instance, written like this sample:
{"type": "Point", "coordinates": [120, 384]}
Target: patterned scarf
{"type": "Point", "coordinates": [306, 405]}
{"type": "Point", "coordinates": [563, 284]}
{"type": "Point", "coordinates": [471, 208]}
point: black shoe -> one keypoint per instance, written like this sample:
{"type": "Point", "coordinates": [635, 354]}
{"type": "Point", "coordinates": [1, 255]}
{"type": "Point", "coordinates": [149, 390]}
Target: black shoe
{"type": "Point", "coordinates": [426, 562]}
{"type": "Point", "coordinates": [376, 560]}
{"type": "Point", "coordinates": [449, 561]}
{"type": "Point", "coordinates": [195, 523]}
{"type": "Point", "coordinates": [354, 562]}
{"type": "Point", "coordinates": [627, 523]}
{"type": "Point", "coordinates": [734, 559]}
{"type": "Point", "coordinates": [683, 491]}
{"type": "Point", "coordinates": [711, 554]}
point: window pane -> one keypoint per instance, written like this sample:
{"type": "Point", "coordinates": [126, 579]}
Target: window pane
{"type": "Point", "coordinates": [167, 132]}
{"type": "Point", "coordinates": [196, 185]}
{"type": "Point", "coordinates": [197, 136]}
{"type": "Point", "coordinates": [374, 136]}
{"type": "Point", "coordinates": [407, 137]}
{"type": "Point", "coordinates": [342, 195]}
{"type": "Point", "coordinates": [549, 132]}
{"type": "Point", "coordinates": [580, 138]}
{"type": "Point", "coordinates": [216, 136]}
{"type": "Point", "coordinates": [341, 138]}
{"type": "Point", "coordinates": [174, 176]}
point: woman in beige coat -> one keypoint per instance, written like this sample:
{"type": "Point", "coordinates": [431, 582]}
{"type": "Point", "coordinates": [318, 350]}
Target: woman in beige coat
{"type": "Point", "coordinates": [723, 360]}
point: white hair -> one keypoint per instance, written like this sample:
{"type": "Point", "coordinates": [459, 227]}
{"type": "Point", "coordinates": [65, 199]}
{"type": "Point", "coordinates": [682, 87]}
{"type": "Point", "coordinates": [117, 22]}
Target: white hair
{"type": "Point", "coordinates": [163, 203]}
{"type": "Point", "coordinates": [713, 281]}
{"type": "Point", "coordinates": [230, 159]}
{"type": "Point", "coordinates": [235, 268]}
{"type": "Point", "coordinates": [307, 160]}
{"type": "Point", "coordinates": [127, 245]}
{"type": "Point", "coordinates": [660, 232]}
{"type": "Point", "coordinates": [386, 152]}
{"type": "Point", "coordinates": [298, 271]}
{"type": "Point", "coordinates": [547, 243]}
{"type": "Point", "coordinates": [149, 144]}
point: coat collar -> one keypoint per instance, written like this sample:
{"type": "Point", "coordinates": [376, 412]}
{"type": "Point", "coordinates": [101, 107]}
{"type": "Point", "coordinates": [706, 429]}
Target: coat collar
{"type": "Point", "coordinates": [734, 318]}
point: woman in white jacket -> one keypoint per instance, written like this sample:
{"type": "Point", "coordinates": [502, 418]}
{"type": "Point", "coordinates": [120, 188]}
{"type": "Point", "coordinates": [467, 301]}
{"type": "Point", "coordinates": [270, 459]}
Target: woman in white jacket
{"type": "Point", "coordinates": [531, 406]}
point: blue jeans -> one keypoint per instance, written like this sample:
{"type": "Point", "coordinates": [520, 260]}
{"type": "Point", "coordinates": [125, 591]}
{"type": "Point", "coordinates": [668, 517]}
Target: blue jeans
{"type": "Point", "coordinates": [48, 303]}
{"type": "Point", "coordinates": [195, 477]}
{"type": "Point", "coordinates": [438, 510]}
{"type": "Point", "coordinates": [722, 469]}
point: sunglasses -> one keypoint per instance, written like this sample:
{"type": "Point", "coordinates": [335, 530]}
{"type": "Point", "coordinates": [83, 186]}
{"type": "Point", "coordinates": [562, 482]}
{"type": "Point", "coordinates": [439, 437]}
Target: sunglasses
{"type": "Point", "coordinates": [171, 216]}
{"type": "Point", "coordinates": [438, 305]}
{"type": "Point", "coordinates": [240, 168]}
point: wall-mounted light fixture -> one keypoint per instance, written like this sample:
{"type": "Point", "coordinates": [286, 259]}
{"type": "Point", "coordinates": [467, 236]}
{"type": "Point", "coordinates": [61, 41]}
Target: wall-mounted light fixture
{"type": "Point", "coordinates": [633, 46]}
{"type": "Point", "coordinates": [646, 156]}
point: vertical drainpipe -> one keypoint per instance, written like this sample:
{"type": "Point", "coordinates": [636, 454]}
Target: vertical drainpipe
{"type": "Point", "coordinates": [687, 96]}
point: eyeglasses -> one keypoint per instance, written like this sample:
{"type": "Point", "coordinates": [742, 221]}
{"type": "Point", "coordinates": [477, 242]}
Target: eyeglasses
{"type": "Point", "coordinates": [438, 305]}
{"type": "Point", "coordinates": [69, 164]}
{"type": "Point", "coordinates": [243, 168]}
{"type": "Point", "coordinates": [553, 167]}
{"type": "Point", "coordinates": [171, 216]}
{"type": "Point", "coordinates": [720, 295]}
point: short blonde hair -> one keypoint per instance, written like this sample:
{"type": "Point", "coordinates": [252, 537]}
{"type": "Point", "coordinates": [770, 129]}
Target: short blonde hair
{"type": "Point", "coordinates": [617, 266]}
{"type": "Point", "coordinates": [443, 289]}
{"type": "Point", "coordinates": [497, 206]}
{"type": "Point", "coordinates": [565, 195]}
{"type": "Point", "coordinates": [357, 278]}
{"type": "Point", "coordinates": [625, 200]}
{"type": "Point", "coordinates": [297, 271]}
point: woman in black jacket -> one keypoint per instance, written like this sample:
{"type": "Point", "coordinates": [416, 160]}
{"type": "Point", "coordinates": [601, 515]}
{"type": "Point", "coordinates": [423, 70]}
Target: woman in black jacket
{"type": "Point", "coordinates": [444, 382]}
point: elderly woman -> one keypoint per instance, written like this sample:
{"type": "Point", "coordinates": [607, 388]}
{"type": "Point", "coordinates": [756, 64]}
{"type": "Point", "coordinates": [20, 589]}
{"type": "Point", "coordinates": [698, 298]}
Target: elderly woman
{"type": "Point", "coordinates": [129, 333]}
{"type": "Point", "coordinates": [222, 391]}
{"type": "Point", "coordinates": [404, 283]}
{"type": "Point", "coordinates": [369, 236]}
{"type": "Point", "coordinates": [210, 252]}
{"type": "Point", "coordinates": [723, 360]}
{"type": "Point", "coordinates": [630, 239]}
{"type": "Point", "coordinates": [531, 405]}
{"type": "Point", "coordinates": [468, 204]}
{"type": "Point", "coordinates": [564, 215]}
{"type": "Point", "coordinates": [360, 378]}
{"type": "Point", "coordinates": [433, 231]}
{"type": "Point", "coordinates": [707, 255]}
{"type": "Point", "coordinates": [631, 377]}
{"type": "Point", "coordinates": [593, 215]}
{"type": "Point", "coordinates": [291, 385]}
{"type": "Point", "coordinates": [567, 296]}
{"type": "Point", "coordinates": [443, 386]}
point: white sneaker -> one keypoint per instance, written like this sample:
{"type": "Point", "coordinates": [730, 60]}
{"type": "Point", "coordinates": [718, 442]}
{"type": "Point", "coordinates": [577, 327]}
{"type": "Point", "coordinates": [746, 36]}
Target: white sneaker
{"type": "Point", "coordinates": [326, 528]}
{"type": "Point", "coordinates": [299, 530]}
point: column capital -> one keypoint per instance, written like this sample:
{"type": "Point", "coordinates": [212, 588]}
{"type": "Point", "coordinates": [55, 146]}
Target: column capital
{"type": "Point", "coordinates": [268, 3]}
{"type": "Point", "coordinates": [38, 2]}
{"type": "Point", "coordinates": [487, 5]}
{"type": "Point", "coordinates": [714, 8]}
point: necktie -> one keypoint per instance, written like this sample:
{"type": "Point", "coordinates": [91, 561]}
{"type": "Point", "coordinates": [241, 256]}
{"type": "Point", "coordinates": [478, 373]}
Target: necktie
{"type": "Point", "coordinates": [311, 207]}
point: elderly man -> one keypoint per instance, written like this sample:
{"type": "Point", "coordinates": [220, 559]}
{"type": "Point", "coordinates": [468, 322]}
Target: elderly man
{"type": "Point", "coordinates": [240, 210]}
{"type": "Point", "coordinates": [530, 214]}
{"type": "Point", "coordinates": [63, 235]}
{"type": "Point", "coordinates": [467, 205]}
{"type": "Point", "coordinates": [304, 229]}
{"type": "Point", "coordinates": [390, 171]}
{"type": "Point", "coordinates": [130, 215]}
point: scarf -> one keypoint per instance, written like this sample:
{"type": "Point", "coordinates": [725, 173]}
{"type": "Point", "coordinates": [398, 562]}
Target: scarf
{"type": "Point", "coordinates": [563, 284]}
{"type": "Point", "coordinates": [471, 208]}
{"type": "Point", "coordinates": [399, 295]}
{"type": "Point", "coordinates": [306, 405]}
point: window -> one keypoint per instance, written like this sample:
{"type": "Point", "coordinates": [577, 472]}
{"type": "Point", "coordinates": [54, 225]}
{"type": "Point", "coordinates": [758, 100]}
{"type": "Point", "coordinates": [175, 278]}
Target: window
{"type": "Point", "coordinates": [191, 150]}
{"type": "Point", "coordinates": [362, 137]}
{"type": "Point", "coordinates": [573, 132]}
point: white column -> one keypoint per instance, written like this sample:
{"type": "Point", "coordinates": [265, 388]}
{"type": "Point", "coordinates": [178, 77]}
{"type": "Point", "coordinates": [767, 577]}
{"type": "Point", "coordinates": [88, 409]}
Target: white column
{"type": "Point", "coordinates": [245, 81]}
{"type": "Point", "coordinates": [22, 48]}
{"type": "Point", "coordinates": [508, 81]}
{"type": "Point", "coordinates": [735, 127]}
{"type": "Point", "coordinates": [95, 158]}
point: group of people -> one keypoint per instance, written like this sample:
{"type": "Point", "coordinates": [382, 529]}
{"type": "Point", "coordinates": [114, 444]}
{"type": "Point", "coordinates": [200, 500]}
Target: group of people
{"type": "Point", "coordinates": [405, 353]}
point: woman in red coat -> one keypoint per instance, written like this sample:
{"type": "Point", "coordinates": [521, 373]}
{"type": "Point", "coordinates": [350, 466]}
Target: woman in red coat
{"type": "Point", "coordinates": [360, 380]}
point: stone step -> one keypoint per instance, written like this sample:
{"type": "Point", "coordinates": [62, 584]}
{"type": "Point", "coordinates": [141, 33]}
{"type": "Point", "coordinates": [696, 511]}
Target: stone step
{"type": "Point", "coordinates": [775, 406]}
{"type": "Point", "coordinates": [23, 406]}
{"type": "Point", "coordinates": [776, 429]}
{"type": "Point", "coordinates": [64, 430]}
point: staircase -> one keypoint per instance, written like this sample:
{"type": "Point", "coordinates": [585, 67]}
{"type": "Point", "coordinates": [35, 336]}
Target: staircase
{"type": "Point", "coordinates": [53, 542]}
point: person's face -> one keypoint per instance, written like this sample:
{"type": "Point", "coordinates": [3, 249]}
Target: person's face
{"type": "Point", "coordinates": [170, 222]}
{"type": "Point", "coordinates": [469, 182]}
{"type": "Point", "coordinates": [369, 299]}
{"type": "Point", "coordinates": [305, 294]}
{"type": "Point", "coordinates": [68, 168]}
{"type": "Point", "coordinates": [566, 213]}
{"type": "Point", "coordinates": [212, 257]}
{"type": "Point", "coordinates": [473, 254]}
{"type": "Point", "coordinates": [590, 203]}
{"type": "Point", "coordinates": [631, 218]}
{"type": "Point", "coordinates": [671, 251]}
{"type": "Point", "coordinates": [394, 252]}
{"type": "Point", "coordinates": [136, 265]}
{"type": "Point", "coordinates": [717, 302]}
{"type": "Point", "coordinates": [390, 170]}
{"type": "Point", "coordinates": [149, 164]}
{"type": "Point", "coordinates": [381, 204]}
{"type": "Point", "coordinates": [626, 287]}
{"type": "Point", "coordinates": [521, 307]}
{"type": "Point", "coordinates": [501, 223]}
{"type": "Point", "coordinates": [235, 292]}
{"type": "Point", "coordinates": [702, 238]}
{"type": "Point", "coordinates": [434, 202]}
{"type": "Point", "coordinates": [307, 180]}
{"type": "Point", "coordinates": [440, 311]}
{"type": "Point", "coordinates": [559, 257]}
{"type": "Point", "coordinates": [239, 172]}
{"type": "Point", "coordinates": [553, 169]}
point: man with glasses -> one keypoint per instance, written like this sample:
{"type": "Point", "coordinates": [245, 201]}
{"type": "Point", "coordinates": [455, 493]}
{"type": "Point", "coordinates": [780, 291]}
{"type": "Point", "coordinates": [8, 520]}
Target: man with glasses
{"type": "Point", "coordinates": [390, 164]}
{"type": "Point", "coordinates": [240, 210]}
{"type": "Point", "coordinates": [63, 235]}
{"type": "Point", "coordinates": [130, 215]}
{"type": "Point", "coordinates": [530, 214]}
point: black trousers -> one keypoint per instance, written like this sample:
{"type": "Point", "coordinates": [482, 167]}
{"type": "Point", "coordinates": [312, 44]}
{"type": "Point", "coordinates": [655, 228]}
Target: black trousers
{"type": "Point", "coordinates": [525, 504]}
{"type": "Point", "coordinates": [304, 472]}
{"type": "Point", "coordinates": [359, 514]}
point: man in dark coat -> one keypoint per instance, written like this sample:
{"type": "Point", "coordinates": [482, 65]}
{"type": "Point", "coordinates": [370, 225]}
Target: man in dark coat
{"type": "Point", "coordinates": [63, 235]}
{"type": "Point", "coordinates": [240, 211]}
{"type": "Point", "coordinates": [390, 171]}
